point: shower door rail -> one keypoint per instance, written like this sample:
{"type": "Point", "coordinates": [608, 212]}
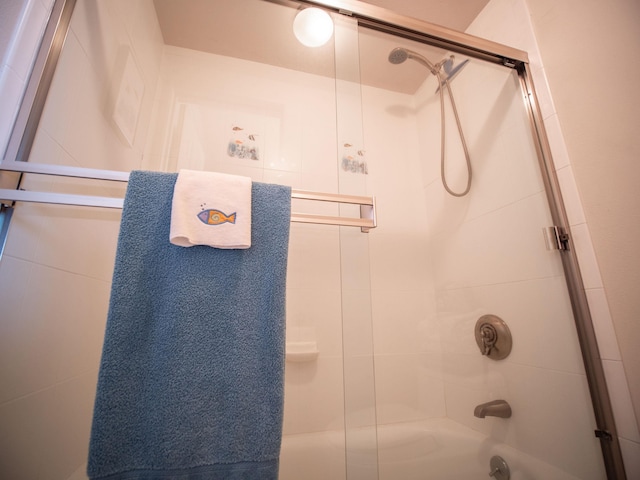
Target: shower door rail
{"type": "Point", "coordinates": [366, 221]}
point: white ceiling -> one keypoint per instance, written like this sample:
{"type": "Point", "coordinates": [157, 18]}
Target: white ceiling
{"type": "Point", "coordinates": [261, 31]}
{"type": "Point", "coordinates": [454, 14]}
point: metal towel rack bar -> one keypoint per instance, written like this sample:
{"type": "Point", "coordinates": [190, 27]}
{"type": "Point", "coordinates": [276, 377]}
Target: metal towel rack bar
{"type": "Point", "coordinates": [366, 221]}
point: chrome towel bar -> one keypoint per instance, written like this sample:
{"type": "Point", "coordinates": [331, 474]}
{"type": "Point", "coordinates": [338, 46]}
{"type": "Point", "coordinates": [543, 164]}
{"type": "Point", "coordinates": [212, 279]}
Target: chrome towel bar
{"type": "Point", "coordinates": [366, 221]}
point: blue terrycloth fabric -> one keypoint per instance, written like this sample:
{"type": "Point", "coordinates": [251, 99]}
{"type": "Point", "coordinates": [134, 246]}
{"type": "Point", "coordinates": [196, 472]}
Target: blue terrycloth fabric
{"type": "Point", "coordinates": [191, 378]}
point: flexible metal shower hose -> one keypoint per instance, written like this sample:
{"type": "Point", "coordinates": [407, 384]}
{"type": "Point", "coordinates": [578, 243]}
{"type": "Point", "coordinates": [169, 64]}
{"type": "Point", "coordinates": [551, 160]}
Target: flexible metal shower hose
{"type": "Point", "coordinates": [445, 82]}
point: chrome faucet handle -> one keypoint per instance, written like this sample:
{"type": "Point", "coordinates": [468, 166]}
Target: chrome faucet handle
{"type": "Point", "coordinates": [489, 338]}
{"type": "Point", "coordinates": [493, 337]}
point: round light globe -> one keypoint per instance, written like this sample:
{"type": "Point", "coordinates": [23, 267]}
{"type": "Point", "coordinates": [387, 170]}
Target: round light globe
{"type": "Point", "coordinates": [313, 27]}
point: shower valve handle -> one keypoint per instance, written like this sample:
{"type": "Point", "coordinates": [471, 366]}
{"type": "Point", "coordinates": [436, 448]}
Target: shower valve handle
{"type": "Point", "coordinates": [489, 337]}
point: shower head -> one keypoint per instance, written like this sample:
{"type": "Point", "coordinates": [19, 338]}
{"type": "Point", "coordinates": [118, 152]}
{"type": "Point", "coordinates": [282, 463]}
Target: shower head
{"type": "Point", "coordinates": [399, 55]}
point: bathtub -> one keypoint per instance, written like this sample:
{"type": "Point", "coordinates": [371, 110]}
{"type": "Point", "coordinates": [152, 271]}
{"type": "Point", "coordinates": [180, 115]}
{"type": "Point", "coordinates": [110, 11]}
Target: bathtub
{"type": "Point", "coordinates": [424, 450]}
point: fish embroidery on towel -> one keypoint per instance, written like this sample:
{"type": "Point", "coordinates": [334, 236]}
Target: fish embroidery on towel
{"type": "Point", "coordinates": [216, 217]}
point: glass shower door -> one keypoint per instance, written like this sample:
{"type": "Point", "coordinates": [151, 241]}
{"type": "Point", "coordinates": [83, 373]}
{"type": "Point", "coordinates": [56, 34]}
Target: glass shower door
{"type": "Point", "coordinates": [345, 446]}
{"type": "Point", "coordinates": [440, 262]}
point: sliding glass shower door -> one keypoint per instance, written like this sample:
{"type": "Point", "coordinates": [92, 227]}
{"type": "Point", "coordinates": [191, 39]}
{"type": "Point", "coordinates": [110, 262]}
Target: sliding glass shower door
{"type": "Point", "coordinates": [442, 264]}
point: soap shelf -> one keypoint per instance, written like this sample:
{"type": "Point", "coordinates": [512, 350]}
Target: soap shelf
{"type": "Point", "coordinates": [299, 352]}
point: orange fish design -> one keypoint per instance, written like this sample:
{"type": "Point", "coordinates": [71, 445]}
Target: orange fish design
{"type": "Point", "coordinates": [216, 217]}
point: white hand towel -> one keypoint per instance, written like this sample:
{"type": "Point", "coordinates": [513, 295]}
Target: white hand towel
{"type": "Point", "coordinates": [211, 209]}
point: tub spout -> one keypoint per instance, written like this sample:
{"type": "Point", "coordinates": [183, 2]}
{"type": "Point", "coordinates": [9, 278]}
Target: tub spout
{"type": "Point", "coordinates": [495, 408]}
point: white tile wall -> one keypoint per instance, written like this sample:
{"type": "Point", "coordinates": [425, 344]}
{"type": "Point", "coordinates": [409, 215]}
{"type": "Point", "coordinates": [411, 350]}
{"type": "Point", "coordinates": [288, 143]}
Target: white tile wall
{"type": "Point", "coordinates": [314, 457]}
{"type": "Point", "coordinates": [622, 409]}
{"type": "Point", "coordinates": [408, 362]}
{"type": "Point", "coordinates": [42, 445]}
{"type": "Point", "coordinates": [570, 195]}
{"type": "Point", "coordinates": [586, 256]}
{"type": "Point", "coordinates": [607, 342]}
{"type": "Point", "coordinates": [531, 309]}
{"type": "Point", "coordinates": [631, 456]}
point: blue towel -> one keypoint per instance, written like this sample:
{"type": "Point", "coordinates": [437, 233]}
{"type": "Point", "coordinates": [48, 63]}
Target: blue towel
{"type": "Point", "coordinates": [191, 378]}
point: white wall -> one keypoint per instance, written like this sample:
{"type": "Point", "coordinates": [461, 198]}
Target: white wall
{"type": "Point", "coordinates": [408, 350]}
{"type": "Point", "coordinates": [56, 271]}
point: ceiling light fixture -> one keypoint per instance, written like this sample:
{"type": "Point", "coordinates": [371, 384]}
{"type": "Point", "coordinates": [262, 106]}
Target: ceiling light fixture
{"type": "Point", "coordinates": [313, 27]}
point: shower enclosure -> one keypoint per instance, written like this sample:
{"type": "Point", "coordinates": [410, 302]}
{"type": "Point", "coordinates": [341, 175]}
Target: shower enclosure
{"type": "Point", "coordinates": [383, 371]}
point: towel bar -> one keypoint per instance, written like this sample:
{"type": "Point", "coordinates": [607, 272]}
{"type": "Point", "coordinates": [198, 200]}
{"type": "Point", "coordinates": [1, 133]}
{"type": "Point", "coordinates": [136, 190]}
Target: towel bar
{"type": "Point", "coordinates": [366, 222]}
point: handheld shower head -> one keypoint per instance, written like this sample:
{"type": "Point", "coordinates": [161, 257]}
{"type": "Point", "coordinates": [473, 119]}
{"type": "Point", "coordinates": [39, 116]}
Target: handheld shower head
{"type": "Point", "coordinates": [399, 55]}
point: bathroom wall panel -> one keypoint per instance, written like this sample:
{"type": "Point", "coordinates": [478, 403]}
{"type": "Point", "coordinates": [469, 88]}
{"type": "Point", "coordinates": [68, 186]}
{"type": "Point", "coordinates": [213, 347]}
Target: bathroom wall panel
{"type": "Point", "coordinates": [534, 310]}
{"type": "Point", "coordinates": [313, 457]}
{"type": "Point", "coordinates": [80, 240]}
{"type": "Point", "coordinates": [40, 445]}
{"type": "Point", "coordinates": [505, 245]}
{"type": "Point", "coordinates": [399, 261]}
{"type": "Point", "coordinates": [24, 434]}
{"type": "Point", "coordinates": [498, 138]}
{"type": "Point", "coordinates": [21, 241]}
{"type": "Point", "coordinates": [607, 342]}
{"type": "Point", "coordinates": [402, 322]}
{"type": "Point", "coordinates": [616, 379]}
{"type": "Point", "coordinates": [288, 113]}
{"type": "Point", "coordinates": [70, 320]}
{"type": "Point", "coordinates": [572, 447]}
{"type": "Point", "coordinates": [314, 396]}
{"type": "Point", "coordinates": [409, 387]}
{"type": "Point", "coordinates": [55, 338]}
{"type": "Point", "coordinates": [314, 261]}
{"type": "Point", "coordinates": [16, 355]}
{"type": "Point", "coordinates": [314, 315]}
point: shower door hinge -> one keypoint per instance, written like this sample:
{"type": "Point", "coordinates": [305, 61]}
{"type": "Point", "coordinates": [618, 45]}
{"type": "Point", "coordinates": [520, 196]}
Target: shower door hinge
{"type": "Point", "coordinates": [556, 238]}
{"type": "Point", "coordinates": [603, 434]}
